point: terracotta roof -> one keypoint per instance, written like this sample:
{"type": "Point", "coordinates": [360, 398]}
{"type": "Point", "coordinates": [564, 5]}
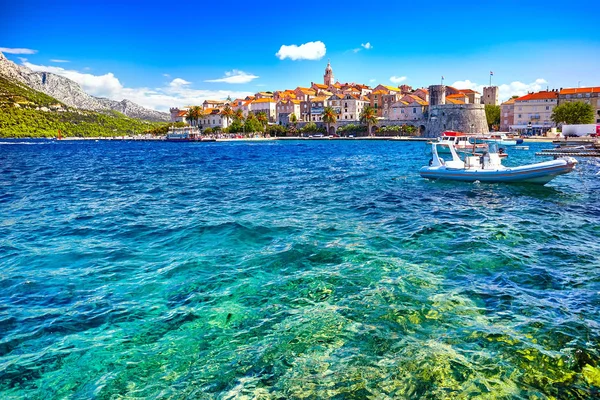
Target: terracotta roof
{"type": "Point", "coordinates": [456, 96]}
{"type": "Point", "coordinates": [539, 96]}
{"type": "Point", "coordinates": [581, 90]}
{"type": "Point", "coordinates": [264, 100]}
{"type": "Point", "coordinates": [320, 86]}
{"type": "Point", "coordinates": [381, 91]}
{"type": "Point", "coordinates": [211, 111]}
{"type": "Point", "coordinates": [320, 98]}
{"type": "Point", "coordinates": [467, 91]}
{"type": "Point", "coordinates": [454, 101]}
{"type": "Point", "coordinates": [296, 101]}
{"type": "Point", "coordinates": [182, 113]}
{"type": "Point", "coordinates": [508, 102]}
{"type": "Point", "coordinates": [422, 90]}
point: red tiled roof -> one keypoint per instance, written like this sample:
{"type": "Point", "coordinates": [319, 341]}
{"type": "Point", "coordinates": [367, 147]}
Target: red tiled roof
{"type": "Point", "coordinates": [467, 91]}
{"type": "Point", "coordinates": [539, 96]}
{"type": "Point", "coordinates": [580, 90]}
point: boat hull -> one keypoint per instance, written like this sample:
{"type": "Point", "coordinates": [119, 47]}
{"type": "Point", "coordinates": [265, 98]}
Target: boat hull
{"type": "Point", "coordinates": [540, 173]}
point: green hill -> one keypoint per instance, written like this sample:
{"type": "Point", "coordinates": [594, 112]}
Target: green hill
{"type": "Point", "coordinates": [25, 112]}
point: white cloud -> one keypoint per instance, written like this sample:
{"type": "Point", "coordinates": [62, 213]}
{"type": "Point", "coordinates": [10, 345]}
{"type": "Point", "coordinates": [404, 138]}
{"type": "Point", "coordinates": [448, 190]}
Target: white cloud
{"type": "Point", "coordinates": [372, 80]}
{"type": "Point", "coordinates": [366, 46]}
{"type": "Point", "coordinates": [59, 61]}
{"type": "Point", "coordinates": [178, 82]}
{"type": "Point", "coordinates": [506, 91]}
{"type": "Point", "coordinates": [166, 75]}
{"type": "Point", "coordinates": [177, 93]}
{"type": "Point", "coordinates": [397, 79]}
{"type": "Point", "coordinates": [306, 51]}
{"type": "Point", "coordinates": [9, 50]}
{"type": "Point", "coordinates": [235, 76]}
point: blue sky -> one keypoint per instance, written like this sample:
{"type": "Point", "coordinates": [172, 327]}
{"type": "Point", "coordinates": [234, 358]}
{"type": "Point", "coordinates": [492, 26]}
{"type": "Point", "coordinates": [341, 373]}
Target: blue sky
{"type": "Point", "coordinates": [160, 54]}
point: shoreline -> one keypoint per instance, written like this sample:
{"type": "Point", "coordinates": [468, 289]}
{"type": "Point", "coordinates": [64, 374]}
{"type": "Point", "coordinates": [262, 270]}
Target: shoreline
{"type": "Point", "coordinates": [360, 138]}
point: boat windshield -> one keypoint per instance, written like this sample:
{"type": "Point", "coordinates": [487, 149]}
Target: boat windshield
{"type": "Point", "coordinates": [493, 147]}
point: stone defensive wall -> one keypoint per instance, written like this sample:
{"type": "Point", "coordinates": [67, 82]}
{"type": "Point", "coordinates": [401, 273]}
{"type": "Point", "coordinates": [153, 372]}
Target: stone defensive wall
{"type": "Point", "coordinates": [468, 118]}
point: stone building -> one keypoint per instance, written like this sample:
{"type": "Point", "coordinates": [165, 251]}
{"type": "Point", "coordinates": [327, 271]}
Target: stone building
{"type": "Point", "coordinates": [490, 95]}
{"type": "Point", "coordinates": [533, 111]}
{"type": "Point", "coordinates": [590, 95]}
{"type": "Point", "coordinates": [507, 115]}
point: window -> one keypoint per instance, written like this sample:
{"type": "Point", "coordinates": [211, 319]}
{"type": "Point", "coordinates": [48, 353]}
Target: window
{"type": "Point", "coordinates": [345, 104]}
{"type": "Point", "coordinates": [547, 108]}
{"type": "Point", "coordinates": [519, 116]}
{"type": "Point", "coordinates": [414, 110]}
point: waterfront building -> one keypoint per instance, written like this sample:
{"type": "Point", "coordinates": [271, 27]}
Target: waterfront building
{"type": "Point", "coordinates": [507, 115]}
{"type": "Point", "coordinates": [532, 112]}
{"type": "Point", "coordinates": [178, 115]}
{"type": "Point", "coordinates": [351, 106]}
{"type": "Point", "coordinates": [266, 105]}
{"type": "Point", "coordinates": [590, 95]}
{"type": "Point", "coordinates": [335, 101]}
{"type": "Point", "coordinates": [211, 104]}
{"type": "Point", "coordinates": [410, 108]}
{"type": "Point", "coordinates": [287, 107]}
{"type": "Point", "coordinates": [213, 119]}
{"type": "Point", "coordinates": [317, 105]}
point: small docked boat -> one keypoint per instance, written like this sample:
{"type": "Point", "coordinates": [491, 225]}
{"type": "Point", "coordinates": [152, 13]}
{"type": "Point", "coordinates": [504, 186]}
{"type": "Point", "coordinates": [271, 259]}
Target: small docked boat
{"type": "Point", "coordinates": [502, 139]}
{"type": "Point", "coordinates": [462, 142]}
{"type": "Point", "coordinates": [488, 168]}
{"type": "Point", "coordinates": [186, 134]}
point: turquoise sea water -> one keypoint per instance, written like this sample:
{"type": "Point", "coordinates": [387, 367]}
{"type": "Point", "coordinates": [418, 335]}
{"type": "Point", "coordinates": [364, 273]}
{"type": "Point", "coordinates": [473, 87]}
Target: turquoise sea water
{"type": "Point", "coordinates": [288, 270]}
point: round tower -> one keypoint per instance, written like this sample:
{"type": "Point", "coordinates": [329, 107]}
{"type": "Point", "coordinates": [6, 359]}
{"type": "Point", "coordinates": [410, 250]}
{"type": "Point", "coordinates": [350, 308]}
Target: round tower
{"type": "Point", "coordinates": [328, 77]}
{"type": "Point", "coordinates": [437, 95]}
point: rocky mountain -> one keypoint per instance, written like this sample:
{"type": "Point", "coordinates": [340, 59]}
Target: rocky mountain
{"type": "Point", "coordinates": [71, 94]}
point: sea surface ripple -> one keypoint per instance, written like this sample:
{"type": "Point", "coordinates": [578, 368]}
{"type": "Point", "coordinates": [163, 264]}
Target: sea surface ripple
{"type": "Point", "coordinates": [291, 269]}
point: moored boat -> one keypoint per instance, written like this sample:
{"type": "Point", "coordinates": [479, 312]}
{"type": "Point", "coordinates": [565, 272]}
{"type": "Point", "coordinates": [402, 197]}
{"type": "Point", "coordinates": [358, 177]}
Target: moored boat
{"type": "Point", "coordinates": [488, 168]}
{"type": "Point", "coordinates": [462, 142]}
{"type": "Point", "coordinates": [502, 139]}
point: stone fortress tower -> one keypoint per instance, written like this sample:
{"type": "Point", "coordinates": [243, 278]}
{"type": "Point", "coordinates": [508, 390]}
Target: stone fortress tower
{"type": "Point", "coordinates": [437, 95]}
{"type": "Point", "coordinates": [328, 77]}
{"type": "Point", "coordinates": [467, 118]}
{"type": "Point", "coordinates": [490, 95]}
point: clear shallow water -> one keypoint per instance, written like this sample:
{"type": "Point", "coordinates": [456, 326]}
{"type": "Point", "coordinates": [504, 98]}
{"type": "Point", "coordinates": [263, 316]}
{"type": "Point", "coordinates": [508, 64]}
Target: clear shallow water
{"type": "Point", "coordinates": [290, 270]}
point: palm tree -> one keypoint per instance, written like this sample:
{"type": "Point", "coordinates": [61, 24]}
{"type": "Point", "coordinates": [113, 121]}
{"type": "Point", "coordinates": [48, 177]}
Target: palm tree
{"type": "Point", "coordinates": [329, 117]}
{"type": "Point", "coordinates": [197, 113]}
{"type": "Point", "coordinates": [262, 118]}
{"type": "Point", "coordinates": [368, 116]}
{"type": "Point", "coordinates": [190, 116]}
{"type": "Point", "coordinates": [238, 114]}
{"type": "Point", "coordinates": [227, 113]}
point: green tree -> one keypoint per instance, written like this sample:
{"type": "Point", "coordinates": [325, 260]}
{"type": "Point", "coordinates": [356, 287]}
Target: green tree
{"type": "Point", "coordinates": [368, 116]}
{"type": "Point", "coordinates": [492, 115]}
{"type": "Point", "coordinates": [238, 114]}
{"type": "Point", "coordinates": [227, 113]}
{"type": "Point", "coordinates": [571, 113]}
{"type": "Point", "coordinates": [293, 119]}
{"type": "Point", "coordinates": [208, 131]}
{"type": "Point", "coordinates": [252, 124]}
{"type": "Point", "coordinates": [310, 127]}
{"type": "Point", "coordinates": [329, 117]}
{"type": "Point", "coordinates": [263, 119]}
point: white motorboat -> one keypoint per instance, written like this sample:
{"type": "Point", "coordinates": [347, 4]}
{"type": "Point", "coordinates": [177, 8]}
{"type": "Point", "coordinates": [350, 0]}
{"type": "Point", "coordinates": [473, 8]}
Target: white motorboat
{"type": "Point", "coordinates": [502, 139]}
{"type": "Point", "coordinates": [488, 168]}
{"type": "Point", "coordinates": [462, 142]}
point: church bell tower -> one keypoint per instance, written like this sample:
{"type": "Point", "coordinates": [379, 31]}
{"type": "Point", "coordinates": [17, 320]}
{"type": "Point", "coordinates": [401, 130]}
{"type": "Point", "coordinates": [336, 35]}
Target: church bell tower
{"type": "Point", "coordinates": [328, 77]}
